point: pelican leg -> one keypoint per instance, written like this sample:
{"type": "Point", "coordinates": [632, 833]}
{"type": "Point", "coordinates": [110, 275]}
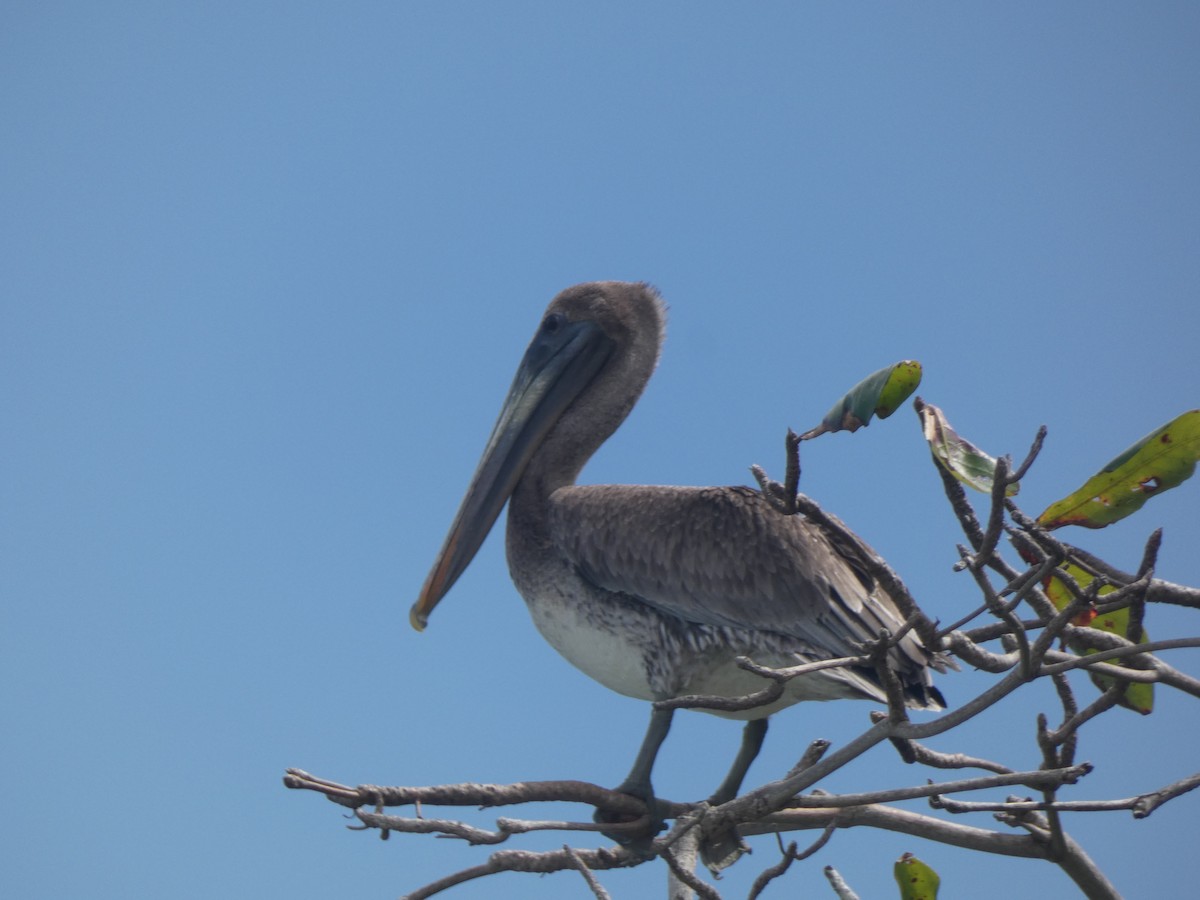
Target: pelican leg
{"type": "Point", "coordinates": [752, 740]}
{"type": "Point", "coordinates": [637, 782]}
{"type": "Point", "coordinates": [722, 849]}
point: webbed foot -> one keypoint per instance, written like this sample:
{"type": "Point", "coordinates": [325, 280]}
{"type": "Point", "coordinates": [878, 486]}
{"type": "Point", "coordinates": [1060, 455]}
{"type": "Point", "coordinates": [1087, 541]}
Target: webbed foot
{"type": "Point", "coordinates": [636, 839]}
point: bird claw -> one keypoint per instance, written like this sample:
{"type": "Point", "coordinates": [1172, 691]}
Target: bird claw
{"type": "Point", "coordinates": [633, 834]}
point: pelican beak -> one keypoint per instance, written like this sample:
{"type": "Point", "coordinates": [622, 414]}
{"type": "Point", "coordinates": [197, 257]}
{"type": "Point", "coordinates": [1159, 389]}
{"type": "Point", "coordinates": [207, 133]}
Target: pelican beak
{"type": "Point", "coordinates": [561, 361]}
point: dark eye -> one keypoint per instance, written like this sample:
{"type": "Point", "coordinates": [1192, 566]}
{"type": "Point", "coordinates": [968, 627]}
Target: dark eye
{"type": "Point", "coordinates": [553, 322]}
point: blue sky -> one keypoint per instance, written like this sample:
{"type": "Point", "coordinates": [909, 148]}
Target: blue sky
{"type": "Point", "coordinates": [267, 271]}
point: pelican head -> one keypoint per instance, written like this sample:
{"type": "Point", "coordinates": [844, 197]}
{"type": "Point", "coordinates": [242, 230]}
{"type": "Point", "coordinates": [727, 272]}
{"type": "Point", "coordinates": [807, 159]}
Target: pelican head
{"type": "Point", "coordinates": [586, 366]}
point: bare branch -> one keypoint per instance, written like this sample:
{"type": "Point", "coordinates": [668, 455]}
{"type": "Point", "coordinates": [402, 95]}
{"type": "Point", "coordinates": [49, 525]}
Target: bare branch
{"type": "Point", "coordinates": [1069, 856]}
{"type": "Point", "coordinates": [902, 821]}
{"type": "Point", "coordinates": [682, 872]}
{"type": "Point", "coordinates": [769, 874]}
{"type": "Point", "coordinates": [914, 752]}
{"type": "Point", "coordinates": [1175, 594]}
{"type": "Point", "coordinates": [769, 694]}
{"type": "Point", "coordinates": [789, 855]}
{"type": "Point", "coordinates": [991, 535]}
{"type": "Point", "coordinates": [468, 794]}
{"type": "Point", "coordinates": [597, 889]}
{"type": "Point", "coordinates": [1041, 779]}
{"type": "Point", "coordinates": [839, 885]}
{"type": "Point", "coordinates": [1148, 803]}
{"type": "Point", "coordinates": [996, 607]}
{"type": "Point", "coordinates": [524, 861]}
{"type": "Point", "coordinates": [812, 753]}
{"type": "Point", "coordinates": [1034, 449]}
{"type": "Point", "coordinates": [791, 476]}
{"type": "Point", "coordinates": [961, 645]}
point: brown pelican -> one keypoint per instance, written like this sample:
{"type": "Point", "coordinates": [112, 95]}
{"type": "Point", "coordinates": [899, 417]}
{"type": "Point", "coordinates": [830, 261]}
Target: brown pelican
{"type": "Point", "coordinates": [655, 591]}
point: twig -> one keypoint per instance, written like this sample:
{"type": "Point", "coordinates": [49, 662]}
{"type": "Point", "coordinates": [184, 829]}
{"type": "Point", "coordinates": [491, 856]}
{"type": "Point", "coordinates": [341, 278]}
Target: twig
{"type": "Point", "coordinates": [1040, 779]}
{"type": "Point", "coordinates": [769, 874]}
{"type": "Point", "coordinates": [843, 890]}
{"type": "Point", "coordinates": [789, 856]}
{"type": "Point", "coordinates": [588, 875]}
{"type": "Point", "coordinates": [961, 645]}
{"type": "Point", "coordinates": [791, 476]}
{"type": "Point", "coordinates": [1069, 856]}
{"type": "Point", "coordinates": [1126, 651]}
{"type": "Point", "coordinates": [769, 694]}
{"type": "Point", "coordinates": [1034, 449]}
{"type": "Point", "coordinates": [1148, 803]}
{"type": "Point", "coordinates": [914, 752]}
{"type": "Point", "coordinates": [996, 607]}
{"type": "Point", "coordinates": [991, 535]}
{"type": "Point", "coordinates": [901, 821]}
{"type": "Point", "coordinates": [686, 876]}
{"type": "Point", "coordinates": [525, 861]}
{"type": "Point", "coordinates": [468, 794]}
{"type": "Point", "coordinates": [812, 754]}
{"type": "Point", "coordinates": [1174, 594]}
{"type": "Point", "coordinates": [1070, 707]}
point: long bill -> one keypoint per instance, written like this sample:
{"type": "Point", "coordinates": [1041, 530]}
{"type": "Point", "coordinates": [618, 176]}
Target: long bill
{"type": "Point", "coordinates": [560, 362]}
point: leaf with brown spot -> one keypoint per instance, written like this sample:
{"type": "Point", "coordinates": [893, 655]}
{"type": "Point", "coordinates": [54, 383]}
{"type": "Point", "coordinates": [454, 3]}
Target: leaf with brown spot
{"type": "Point", "coordinates": [917, 880]}
{"type": "Point", "coordinates": [1161, 460]}
{"type": "Point", "coordinates": [1137, 696]}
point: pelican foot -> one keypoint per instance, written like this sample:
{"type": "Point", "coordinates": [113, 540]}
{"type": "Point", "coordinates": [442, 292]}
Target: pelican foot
{"type": "Point", "coordinates": [636, 840]}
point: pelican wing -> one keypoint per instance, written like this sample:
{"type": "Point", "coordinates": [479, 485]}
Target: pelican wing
{"type": "Point", "coordinates": [724, 556]}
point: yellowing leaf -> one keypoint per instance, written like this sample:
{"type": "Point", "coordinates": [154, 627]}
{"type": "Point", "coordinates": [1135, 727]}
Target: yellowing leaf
{"type": "Point", "coordinates": [956, 454]}
{"type": "Point", "coordinates": [1137, 696]}
{"type": "Point", "coordinates": [916, 879]}
{"type": "Point", "coordinates": [903, 378]}
{"type": "Point", "coordinates": [879, 394]}
{"type": "Point", "coordinates": [1161, 460]}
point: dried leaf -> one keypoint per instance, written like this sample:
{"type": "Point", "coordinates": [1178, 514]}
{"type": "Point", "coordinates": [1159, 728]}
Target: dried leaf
{"type": "Point", "coordinates": [1161, 460]}
{"type": "Point", "coordinates": [956, 454]}
{"type": "Point", "coordinates": [879, 394]}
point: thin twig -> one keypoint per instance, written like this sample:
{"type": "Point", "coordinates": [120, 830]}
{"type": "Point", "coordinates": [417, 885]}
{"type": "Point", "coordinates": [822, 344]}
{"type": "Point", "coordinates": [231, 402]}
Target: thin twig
{"type": "Point", "coordinates": [914, 752]}
{"type": "Point", "coordinates": [839, 885]}
{"type": "Point", "coordinates": [588, 875]}
{"type": "Point", "coordinates": [1148, 803]}
{"type": "Point", "coordinates": [1040, 779]}
{"type": "Point", "coordinates": [688, 877]}
{"type": "Point", "coordinates": [1034, 450]}
{"type": "Point", "coordinates": [769, 874]}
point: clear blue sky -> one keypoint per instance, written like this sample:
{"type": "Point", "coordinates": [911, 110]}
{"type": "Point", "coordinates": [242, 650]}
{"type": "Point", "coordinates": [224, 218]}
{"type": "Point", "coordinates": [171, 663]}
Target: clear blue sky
{"type": "Point", "coordinates": [267, 269]}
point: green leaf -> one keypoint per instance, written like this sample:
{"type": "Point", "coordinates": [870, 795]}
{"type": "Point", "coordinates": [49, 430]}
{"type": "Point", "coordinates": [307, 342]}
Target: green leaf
{"type": "Point", "coordinates": [1137, 696]}
{"type": "Point", "coordinates": [1158, 462]}
{"type": "Point", "coordinates": [956, 454]}
{"type": "Point", "coordinates": [879, 394]}
{"type": "Point", "coordinates": [916, 879]}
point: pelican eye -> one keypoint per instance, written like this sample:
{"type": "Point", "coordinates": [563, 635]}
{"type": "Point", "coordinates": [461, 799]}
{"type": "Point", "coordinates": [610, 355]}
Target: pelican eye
{"type": "Point", "coordinates": [553, 322]}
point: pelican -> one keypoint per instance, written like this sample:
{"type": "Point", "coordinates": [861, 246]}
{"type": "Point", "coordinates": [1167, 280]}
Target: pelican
{"type": "Point", "coordinates": [656, 591]}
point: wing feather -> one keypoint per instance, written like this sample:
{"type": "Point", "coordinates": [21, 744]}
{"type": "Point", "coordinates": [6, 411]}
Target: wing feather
{"type": "Point", "coordinates": [724, 556]}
